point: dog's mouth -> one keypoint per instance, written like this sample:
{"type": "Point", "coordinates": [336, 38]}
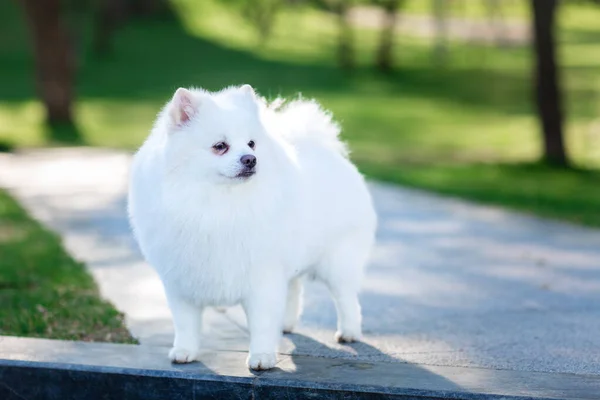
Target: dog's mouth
{"type": "Point", "coordinates": [246, 174]}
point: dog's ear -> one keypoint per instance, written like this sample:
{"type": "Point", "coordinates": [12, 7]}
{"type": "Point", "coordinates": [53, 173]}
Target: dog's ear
{"type": "Point", "coordinates": [249, 95]}
{"type": "Point", "coordinates": [183, 107]}
{"type": "Point", "coordinates": [248, 91]}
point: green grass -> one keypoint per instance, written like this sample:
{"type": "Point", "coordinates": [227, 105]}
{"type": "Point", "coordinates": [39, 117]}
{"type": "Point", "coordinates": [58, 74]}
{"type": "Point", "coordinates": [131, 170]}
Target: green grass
{"type": "Point", "coordinates": [439, 128]}
{"type": "Point", "coordinates": [43, 292]}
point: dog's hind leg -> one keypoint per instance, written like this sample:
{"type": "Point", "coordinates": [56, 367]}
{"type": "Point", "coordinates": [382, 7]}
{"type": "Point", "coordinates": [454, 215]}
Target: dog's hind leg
{"type": "Point", "coordinates": [293, 307]}
{"type": "Point", "coordinates": [342, 272]}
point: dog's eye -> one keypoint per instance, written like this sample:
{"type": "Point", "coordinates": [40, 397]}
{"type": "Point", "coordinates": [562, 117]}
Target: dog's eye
{"type": "Point", "coordinates": [251, 144]}
{"type": "Point", "coordinates": [221, 148]}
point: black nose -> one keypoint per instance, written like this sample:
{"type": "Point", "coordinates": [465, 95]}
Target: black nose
{"type": "Point", "coordinates": [248, 160]}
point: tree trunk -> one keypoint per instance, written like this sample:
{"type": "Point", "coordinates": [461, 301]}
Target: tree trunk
{"type": "Point", "coordinates": [386, 42]}
{"type": "Point", "coordinates": [106, 16]}
{"type": "Point", "coordinates": [138, 8]}
{"type": "Point", "coordinates": [346, 38]}
{"type": "Point", "coordinates": [547, 87]}
{"type": "Point", "coordinates": [53, 59]}
{"type": "Point", "coordinates": [109, 15]}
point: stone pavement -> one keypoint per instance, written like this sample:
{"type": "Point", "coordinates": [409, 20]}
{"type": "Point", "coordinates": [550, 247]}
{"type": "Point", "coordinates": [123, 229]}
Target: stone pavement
{"type": "Point", "coordinates": [450, 283]}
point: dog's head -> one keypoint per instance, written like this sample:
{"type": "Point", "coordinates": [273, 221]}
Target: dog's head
{"type": "Point", "coordinates": [215, 136]}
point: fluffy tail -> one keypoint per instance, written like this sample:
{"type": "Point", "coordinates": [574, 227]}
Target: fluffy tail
{"type": "Point", "coordinates": [305, 122]}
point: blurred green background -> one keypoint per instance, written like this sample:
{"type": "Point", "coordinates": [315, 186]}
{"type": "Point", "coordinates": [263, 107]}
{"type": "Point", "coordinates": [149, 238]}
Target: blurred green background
{"type": "Point", "coordinates": [452, 108]}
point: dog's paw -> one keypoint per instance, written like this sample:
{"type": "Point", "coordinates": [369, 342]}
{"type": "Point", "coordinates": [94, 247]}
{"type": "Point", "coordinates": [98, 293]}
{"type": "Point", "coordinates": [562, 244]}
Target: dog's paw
{"type": "Point", "coordinates": [181, 356]}
{"type": "Point", "coordinates": [347, 337]}
{"type": "Point", "coordinates": [261, 361]}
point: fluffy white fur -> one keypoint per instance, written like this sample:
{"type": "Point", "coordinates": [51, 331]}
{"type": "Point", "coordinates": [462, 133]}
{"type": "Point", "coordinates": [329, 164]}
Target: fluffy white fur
{"type": "Point", "coordinates": [218, 239]}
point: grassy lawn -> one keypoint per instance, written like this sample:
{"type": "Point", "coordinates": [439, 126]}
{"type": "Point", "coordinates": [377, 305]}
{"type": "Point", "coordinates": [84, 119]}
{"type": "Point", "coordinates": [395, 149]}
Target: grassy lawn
{"type": "Point", "coordinates": [43, 292]}
{"type": "Point", "coordinates": [467, 128]}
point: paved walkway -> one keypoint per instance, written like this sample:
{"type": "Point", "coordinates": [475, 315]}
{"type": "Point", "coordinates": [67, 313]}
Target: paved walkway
{"type": "Point", "coordinates": [450, 283]}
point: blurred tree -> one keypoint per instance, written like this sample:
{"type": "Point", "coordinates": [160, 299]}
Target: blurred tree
{"type": "Point", "coordinates": [547, 87]}
{"type": "Point", "coordinates": [345, 51]}
{"type": "Point", "coordinates": [386, 42]}
{"type": "Point", "coordinates": [261, 14]}
{"type": "Point", "coordinates": [110, 14]}
{"type": "Point", "coordinates": [54, 61]}
{"type": "Point", "coordinates": [141, 8]}
{"type": "Point", "coordinates": [107, 14]}
{"type": "Point", "coordinates": [346, 34]}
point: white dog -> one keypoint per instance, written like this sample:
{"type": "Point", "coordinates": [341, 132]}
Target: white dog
{"type": "Point", "coordinates": [233, 201]}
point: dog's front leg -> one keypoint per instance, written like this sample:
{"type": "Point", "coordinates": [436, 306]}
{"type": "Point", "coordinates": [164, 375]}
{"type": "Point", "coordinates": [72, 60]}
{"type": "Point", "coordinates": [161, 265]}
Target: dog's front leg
{"type": "Point", "coordinates": [187, 319]}
{"type": "Point", "coordinates": [265, 308]}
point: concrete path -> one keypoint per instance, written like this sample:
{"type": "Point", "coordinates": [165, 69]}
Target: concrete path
{"type": "Point", "coordinates": [450, 283]}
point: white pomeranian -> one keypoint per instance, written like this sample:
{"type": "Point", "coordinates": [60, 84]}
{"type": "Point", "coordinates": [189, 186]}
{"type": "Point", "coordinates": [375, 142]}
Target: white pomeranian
{"type": "Point", "coordinates": [233, 201]}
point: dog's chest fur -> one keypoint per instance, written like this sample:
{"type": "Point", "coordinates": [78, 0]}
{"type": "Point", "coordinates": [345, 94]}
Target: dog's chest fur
{"type": "Point", "coordinates": [213, 248]}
